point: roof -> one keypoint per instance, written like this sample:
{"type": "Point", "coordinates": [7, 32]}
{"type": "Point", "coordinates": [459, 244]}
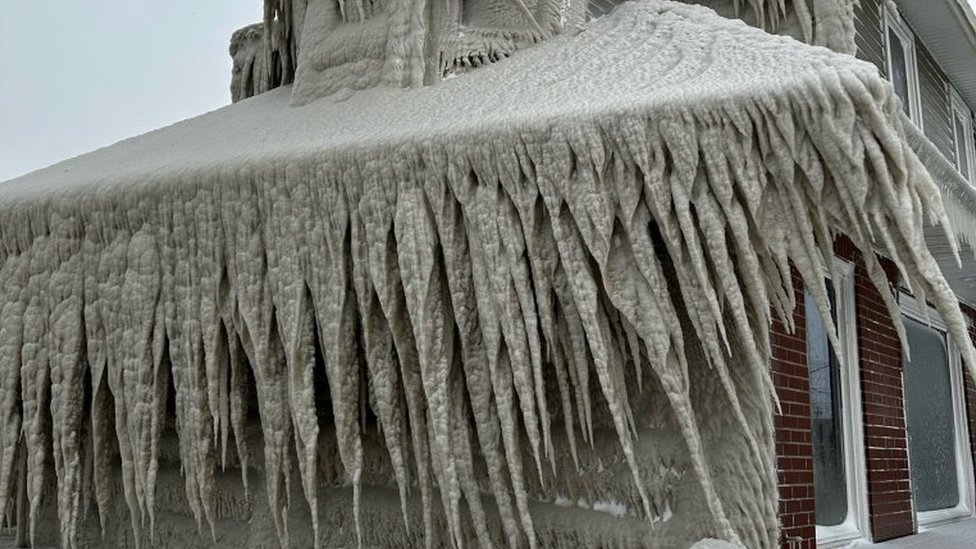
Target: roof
{"type": "Point", "coordinates": [609, 71]}
{"type": "Point", "coordinates": [948, 28]}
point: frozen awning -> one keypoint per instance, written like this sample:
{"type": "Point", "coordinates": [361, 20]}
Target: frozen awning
{"type": "Point", "coordinates": [627, 202]}
{"type": "Point", "coordinates": [959, 197]}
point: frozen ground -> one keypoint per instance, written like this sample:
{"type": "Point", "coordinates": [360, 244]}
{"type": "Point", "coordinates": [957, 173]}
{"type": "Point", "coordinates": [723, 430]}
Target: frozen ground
{"type": "Point", "coordinates": [956, 535]}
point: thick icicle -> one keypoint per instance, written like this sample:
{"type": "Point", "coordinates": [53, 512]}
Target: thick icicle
{"type": "Point", "coordinates": [334, 302]}
{"type": "Point", "coordinates": [35, 371]}
{"type": "Point", "coordinates": [67, 369]}
{"type": "Point", "coordinates": [13, 278]}
{"type": "Point", "coordinates": [473, 358]}
{"type": "Point", "coordinates": [427, 305]}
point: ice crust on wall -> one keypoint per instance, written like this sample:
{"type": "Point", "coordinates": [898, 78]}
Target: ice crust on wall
{"type": "Point", "coordinates": [473, 283]}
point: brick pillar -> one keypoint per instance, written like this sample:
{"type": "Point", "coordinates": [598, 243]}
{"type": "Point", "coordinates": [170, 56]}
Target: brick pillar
{"type": "Point", "coordinates": [794, 450]}
{"type": "Point", "coordinates": [970, 388]}
{"type": "Point", "coordinates": [885, 435]}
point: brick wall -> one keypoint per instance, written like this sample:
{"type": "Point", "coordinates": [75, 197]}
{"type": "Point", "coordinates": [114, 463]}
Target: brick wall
{"type": "Point", "coordinates": [794, 451]}
{"type": "Point", "coordinates": [970, 388]}
{"type": "Point", "coordinates": [885, 436]}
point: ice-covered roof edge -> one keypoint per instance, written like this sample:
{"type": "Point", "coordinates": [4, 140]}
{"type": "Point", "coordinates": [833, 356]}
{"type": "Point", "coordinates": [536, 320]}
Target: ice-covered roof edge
{"type": "Point", "coordinates": [958, 195]}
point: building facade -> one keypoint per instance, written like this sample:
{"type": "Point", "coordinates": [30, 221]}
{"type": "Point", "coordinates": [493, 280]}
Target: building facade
{"type": "Point", "coordinates": [875, 450]}
{"type": "Point", "coordinates": [645, 283]}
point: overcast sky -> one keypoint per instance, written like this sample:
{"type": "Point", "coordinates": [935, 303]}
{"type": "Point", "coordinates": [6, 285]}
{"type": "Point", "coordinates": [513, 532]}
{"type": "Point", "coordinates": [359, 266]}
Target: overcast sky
{"type": "Point", "coordinates": [79, 75]}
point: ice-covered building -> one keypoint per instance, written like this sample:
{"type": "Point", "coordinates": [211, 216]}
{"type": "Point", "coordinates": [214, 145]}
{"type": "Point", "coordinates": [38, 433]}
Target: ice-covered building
{"type": "Point", "coordinates": [510, 273]}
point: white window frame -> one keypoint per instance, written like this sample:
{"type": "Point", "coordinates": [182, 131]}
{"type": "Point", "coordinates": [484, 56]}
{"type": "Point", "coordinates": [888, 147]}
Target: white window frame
{"type": "Point", "coordinates": [958, 106]}
{"type": "Point", "coordinates": [894, 22]}
{"type": "Point", "coordinates": [856, 526]}
{"type": "Point", "coordinates": [911, 308]}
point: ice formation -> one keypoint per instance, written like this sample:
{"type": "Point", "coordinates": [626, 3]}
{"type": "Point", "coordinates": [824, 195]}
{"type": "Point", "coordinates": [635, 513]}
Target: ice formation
{"type": "Point", "coordinates": [250, 74]}
{"type": "Point", "coordinates": [326, 46]}
{"type": "Point", "coordinates": [551, 277]}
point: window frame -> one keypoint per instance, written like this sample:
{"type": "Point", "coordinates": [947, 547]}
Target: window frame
{"type": "Point", "coordinates": [958, 106]}
{"type": "Point", "coordinates": [857, 524]}
{"type": "Point", "coordinates": [911, 308]}
{"type": "Point", "coordinates": [894, 22]}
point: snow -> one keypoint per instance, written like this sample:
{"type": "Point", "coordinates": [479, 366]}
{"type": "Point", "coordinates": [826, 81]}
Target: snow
{"type": "Point", "coordinates": [490, 267]}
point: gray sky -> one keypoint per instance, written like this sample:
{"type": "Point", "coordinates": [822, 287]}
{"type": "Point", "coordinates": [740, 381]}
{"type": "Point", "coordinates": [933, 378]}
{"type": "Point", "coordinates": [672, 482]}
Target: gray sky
{"type": "Point", "coordinates": [79, 75]}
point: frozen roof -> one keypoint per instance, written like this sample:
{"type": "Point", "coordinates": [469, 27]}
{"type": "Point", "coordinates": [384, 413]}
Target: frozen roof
{"type": "Point", "coordinates": [620, 67]}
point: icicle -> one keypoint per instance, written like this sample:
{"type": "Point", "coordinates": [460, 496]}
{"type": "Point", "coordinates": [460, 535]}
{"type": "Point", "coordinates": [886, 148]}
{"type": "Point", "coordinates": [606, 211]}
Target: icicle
{"type": "Point", "coordinates": [14, 275]}
{"type": "Point", "coordinates": [465, 462]}
{"type": "Point", "coordinates": [238, 396]}
{"type": "Point", "coordinates": [473, 358]}
{"type": "Point", "coordinates": [284, 228]}
{"type": "Point", "coordinates": [255, 324]}
{"type": "Point", "coordinates": [140, 297]}
{"type": "Point", "coordinates": [426, 304]}
{"type": "Point", "coordinates": [377, 209]}
{"type": "Point", "coordinates": [496, 237]}
{"type": "Point", "coordinates": [381, 364]}
{"type": "Point", "coordinates": [161, 368]}
{"type": "Point", "coordinates": [67, 369]}
{"type": "Point", "coordinates": [35, 371]}
{"type": "Point", "coordinates": [333, 299]}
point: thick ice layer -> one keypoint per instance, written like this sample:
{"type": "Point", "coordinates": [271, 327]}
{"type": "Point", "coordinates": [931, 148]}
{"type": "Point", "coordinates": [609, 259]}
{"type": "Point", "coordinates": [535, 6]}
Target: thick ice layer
{"type": "Point", "coordinates": [481, 268]}
{"type": "Point", "coordinates": [250, 74]}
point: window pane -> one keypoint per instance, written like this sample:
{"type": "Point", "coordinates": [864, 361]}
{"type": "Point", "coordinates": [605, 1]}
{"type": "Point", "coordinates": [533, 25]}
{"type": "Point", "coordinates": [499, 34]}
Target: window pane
{"type": "Point", "coordinates": [962, 159]}
{"type": "Point", "coordinates": [829, 476]}
{"type": "Point", "coordinates": [599, 8]}
{"type": "Point", "coordinates": [928, 407]}
{"type": "Point", "coordinates": [899, 69]}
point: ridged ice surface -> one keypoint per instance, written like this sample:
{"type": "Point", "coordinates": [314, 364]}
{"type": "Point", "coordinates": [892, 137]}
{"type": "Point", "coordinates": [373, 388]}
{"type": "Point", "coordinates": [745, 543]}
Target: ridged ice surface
{"type": "Point", "coordinates": [521, 299]}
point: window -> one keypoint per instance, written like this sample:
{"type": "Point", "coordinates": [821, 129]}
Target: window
{"type": "Point", "coordinates": [598, 8]}
{"type": "Point", "coordinates": [962, 130]}
{"type": "Point", "coordinates": [935, 417]}
{"type": "Point", "coordinates": [902, 68]}
{"type": "Point", "coordinates": [835, 414]}
{"type": "Point", "coordinates": [826, 415]}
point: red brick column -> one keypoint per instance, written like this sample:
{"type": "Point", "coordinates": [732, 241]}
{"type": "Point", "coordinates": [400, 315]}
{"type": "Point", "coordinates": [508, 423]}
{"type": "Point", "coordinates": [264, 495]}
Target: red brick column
{"type": "Point", "coordinates": [970, 388]}
{"type": "Point", "coordinates": [794, 451]}
{"type": "Point", "coordinates": [885, 435]}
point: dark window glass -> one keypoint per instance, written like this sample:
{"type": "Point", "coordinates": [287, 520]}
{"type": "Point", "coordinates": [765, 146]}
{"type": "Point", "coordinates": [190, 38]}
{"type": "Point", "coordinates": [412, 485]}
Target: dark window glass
{"type": "Point", "coordinates": [931, 428]}
{"type": "Point", "coordinates": [962, 158]}
{"type": "Point", "coordinates": [829, 474]}
{"type": "Point", "coordinates": [599, 8]}
{"type": "Point", "coordinates": [899, 68]}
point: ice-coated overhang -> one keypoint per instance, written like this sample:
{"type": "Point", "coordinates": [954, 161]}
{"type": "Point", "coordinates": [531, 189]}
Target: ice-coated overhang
{"type": "Point", "coordinates": [621, 69]}
{"type": "Point", "coordinates": [948, 29]}
{"type": "Point", "coordinates": [959, 198]}
{"type": "Point", "coordinates": [630, 65]}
